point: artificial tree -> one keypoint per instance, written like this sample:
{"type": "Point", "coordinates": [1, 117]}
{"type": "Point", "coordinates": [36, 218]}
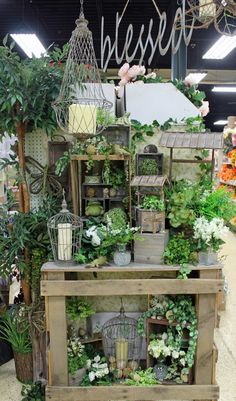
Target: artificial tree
{"type": "Point", "coordinates": [27, 89]}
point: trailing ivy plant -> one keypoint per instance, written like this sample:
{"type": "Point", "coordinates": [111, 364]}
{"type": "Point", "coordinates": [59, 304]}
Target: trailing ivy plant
{"type": "Point", "coordinates": [179, 251]}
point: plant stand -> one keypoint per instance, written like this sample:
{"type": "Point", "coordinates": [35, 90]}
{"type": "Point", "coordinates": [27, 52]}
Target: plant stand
{"type": "Point", "coordinates": [55, 288]}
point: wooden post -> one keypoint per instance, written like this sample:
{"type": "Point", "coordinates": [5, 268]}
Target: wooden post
{"type": "Point", "coordinates": [171, 161]}
{"type": "Point", "coordinates": [58, 336]}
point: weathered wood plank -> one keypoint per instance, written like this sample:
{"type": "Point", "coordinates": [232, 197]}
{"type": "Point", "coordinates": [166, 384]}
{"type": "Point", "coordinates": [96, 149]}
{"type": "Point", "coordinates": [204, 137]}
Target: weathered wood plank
{"type": "Point", "coordinates": [133, 393]}
{"type": "Point", "coordinates": [58, 335]}
{"type": "Point", "coordinates": [132, 267]}
{"type": "Point", "coordinates": [100, 157]}
{"type": "Point", "coordinates": [131, 287]}
{"type": "Point", "coordinates": [206, 322]}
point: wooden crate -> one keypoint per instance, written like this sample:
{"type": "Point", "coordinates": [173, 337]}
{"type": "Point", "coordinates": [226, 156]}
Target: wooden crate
{"type": "Point", "coordinates": [150, 248]}
{"type": "Point", "coordinates": [150, 221]}
{"type": "Point", "coordinates": [56, 288]}
{"type": "Point", "coordinates": [118, 134]}
{"type": "Point", "coordinates": [158, 157]}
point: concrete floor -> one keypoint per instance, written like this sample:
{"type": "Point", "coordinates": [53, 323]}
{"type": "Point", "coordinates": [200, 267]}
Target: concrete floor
{"type": "Point", "coordinates": [225, 337]}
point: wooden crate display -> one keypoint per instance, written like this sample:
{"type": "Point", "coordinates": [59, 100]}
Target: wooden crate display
{"type": "Point", "coordinates": [157, 157]}
{"type": "Point", "coordinates": [150, 248]}
{"type": "Point", "coordinates": [55, 287]}
{"type": "Point", "coordinates": [150, 221]}
{"type": "Point", "coordinates": [155, 326]}
{"type": "Point", "coordinates": [84, 192]}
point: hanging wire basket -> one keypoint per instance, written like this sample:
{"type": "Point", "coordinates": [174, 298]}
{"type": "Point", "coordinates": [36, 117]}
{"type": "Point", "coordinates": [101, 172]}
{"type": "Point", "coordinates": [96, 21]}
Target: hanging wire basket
{"type": "Point", "coordinates": [121, 340]}
{"type": "Point", "coordinates": [65, 232]}
{"type": "Point", "coordinates": [81, 108]}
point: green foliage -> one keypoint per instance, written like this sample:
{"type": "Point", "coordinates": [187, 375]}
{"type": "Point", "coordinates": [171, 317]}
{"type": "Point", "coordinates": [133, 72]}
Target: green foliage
{"type": "Point", "coordinates": [184, 272]}
{"type": "Point", "coordinates": [117, 217]}
{"type": "Point", "coordinates": [33, 392]}
{"type": "Point", "coordinates": [115, 177]}
{"type": "Point", "coordinates": [142, 378]}
{"type": "Point", "coordinates": [27, 89]}
{"type": "Point", "coordinates": [179, 251]}
{"type": "Point", "coordinates": [78, 308]}
{"type": "Point", "coordinates": [153, 202]}
{"type": "Point", "coordinates": [16, 334]}
{"type": "Point", "coordinates": [149, 167]}
{"type": "Point", "coordinates": [182, 203]}
{"type": "Point", "coordinates": [195, 96]}
{"type": "Point", "coordinates": [178, 309]}
{"type": "Point", "coordinates": [195, 124]}
{"type": "Point", "coordinates": [217, 204]}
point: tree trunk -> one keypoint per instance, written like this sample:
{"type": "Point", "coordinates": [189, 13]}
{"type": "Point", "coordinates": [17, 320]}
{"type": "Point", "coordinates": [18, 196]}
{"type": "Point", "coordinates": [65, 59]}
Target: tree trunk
{"type": "Point", "coordinates": [24, 199]}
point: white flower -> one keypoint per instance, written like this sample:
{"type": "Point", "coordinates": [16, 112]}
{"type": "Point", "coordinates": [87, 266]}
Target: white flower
{"type": "Point", "coordinates": [97, 358]}
{"type": "Point", "coordinates": [164, 336]}
{"type": "Point", "coordinates": [175, 354]}
{"type": "Point", "coordinates": [142, 70]}
{"type": "Point", "coordinates": [88, 363]}
{"type": "Point", "coordinates": [124, 80]}
{"type": "Point", "coordinates": [92, 376]}
{"type": "Point", "coordinates": [182, 361]}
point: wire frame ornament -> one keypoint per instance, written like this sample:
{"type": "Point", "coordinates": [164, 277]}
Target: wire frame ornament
{"type": "Point", "coordinates": [81, 107]}
{"type": "Point", "coordinates": [220, 13]}
{"type": "Point", "coordinates": [65, 232]}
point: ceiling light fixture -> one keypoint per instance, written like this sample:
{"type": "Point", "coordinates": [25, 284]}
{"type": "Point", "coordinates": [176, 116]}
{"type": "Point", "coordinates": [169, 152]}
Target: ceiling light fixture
{"type": "Point", "coordinates": [224, 89]}
{"type": "Point", "coordinates": [221, 122]}
{"type": "Point", "coordinates": [195, 77]}
{"type": "Point", "coordinates": [30, 44]}
{"type": "Point", "coordinates": [221, 48]}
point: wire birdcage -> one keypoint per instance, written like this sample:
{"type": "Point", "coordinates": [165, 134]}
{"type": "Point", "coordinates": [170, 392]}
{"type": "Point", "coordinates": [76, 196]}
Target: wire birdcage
{"type": "Point", "coordinates": [65, 232]}
{"type": "Point", "coordinates": [81, 107]}
{"type": "Point", "coordinates": [121, 340]}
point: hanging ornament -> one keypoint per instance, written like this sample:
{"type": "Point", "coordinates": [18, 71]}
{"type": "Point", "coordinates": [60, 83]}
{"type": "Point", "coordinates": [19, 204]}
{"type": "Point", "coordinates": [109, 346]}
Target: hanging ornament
{"type": "Point", "coordinates": [81, 108]}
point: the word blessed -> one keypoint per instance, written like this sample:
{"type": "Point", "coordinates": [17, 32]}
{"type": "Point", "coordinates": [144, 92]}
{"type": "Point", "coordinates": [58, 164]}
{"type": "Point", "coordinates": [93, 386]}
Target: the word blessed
{"type": "Point", "coordinates": [147, 43]}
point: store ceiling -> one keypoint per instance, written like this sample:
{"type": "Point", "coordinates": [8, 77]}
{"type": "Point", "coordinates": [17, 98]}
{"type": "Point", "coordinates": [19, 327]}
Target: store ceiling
{"type": "Point", "coordinates": [53, 21]}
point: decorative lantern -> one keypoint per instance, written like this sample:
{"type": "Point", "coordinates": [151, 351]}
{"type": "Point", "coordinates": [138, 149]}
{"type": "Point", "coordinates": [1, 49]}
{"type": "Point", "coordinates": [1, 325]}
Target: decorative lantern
{"type": "Point", "coordinates": [65, 231]}
{"type": "Point", "coordinates": [81, 107]}
{"type": "Point", "coordinates": [121, 342]}
{"type": "Point", "coordinates": [203, 10]}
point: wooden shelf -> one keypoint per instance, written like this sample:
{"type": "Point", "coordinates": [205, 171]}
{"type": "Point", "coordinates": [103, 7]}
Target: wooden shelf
{"type": "Point", "coordinates": [131, 268]}
{"type": "Point", "coordinates": [100, 157]}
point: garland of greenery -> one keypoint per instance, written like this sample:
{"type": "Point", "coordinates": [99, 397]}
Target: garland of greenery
{"type": "Point", "coordinates": [180, 310]}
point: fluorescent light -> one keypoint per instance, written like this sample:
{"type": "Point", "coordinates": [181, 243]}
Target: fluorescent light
{"type": "Point", "coordinates": [221, 48]}
{"type": "Point", "coordinates": [195, 77]}
{"type": "Point", "coordinates": [30, 44]}
{"type": "Point", "coordinates": [221, 122]}
{"type": "Point", "coordinates": [224, 89]}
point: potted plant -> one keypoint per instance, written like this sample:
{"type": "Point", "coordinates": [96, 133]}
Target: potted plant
{"type": "Point", "coordinates": [208, 235]}
{"type": "Point", "coordinates": [98, 372]}
{"type": "Point", "coordinates": [17, 334]}
{"type": "Point", "coordinates": [150, 214]}
{"type": "Point", "coordinates": [77, 361]}
{"type": "Point", "coordinates": [79, 310]}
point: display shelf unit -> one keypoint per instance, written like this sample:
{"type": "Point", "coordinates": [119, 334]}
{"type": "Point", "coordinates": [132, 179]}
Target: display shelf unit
{"type": "Point", "coordinates": [56, 286]}
{"type": "Point", "coordinates": [77, 185]}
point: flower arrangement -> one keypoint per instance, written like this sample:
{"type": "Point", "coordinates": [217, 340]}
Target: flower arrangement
{"type": "Point", "coordinates": [109, 235]}
{"type": "Point", "coordinates": [98, 372]}
{"type": "Point", "coordinates": [77, 357]}
{"type": "Point", "coordinates": [209, 233]}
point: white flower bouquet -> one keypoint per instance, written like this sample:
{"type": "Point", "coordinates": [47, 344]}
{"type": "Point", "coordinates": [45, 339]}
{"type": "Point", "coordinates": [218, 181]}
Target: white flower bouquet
{"type": "Point", "coordinates": [209, 234]}
{"type": "Point", "coordinates": [97, 369]}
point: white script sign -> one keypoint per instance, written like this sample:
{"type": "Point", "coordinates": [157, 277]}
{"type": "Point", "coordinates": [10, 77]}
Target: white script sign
{"type": "Point", "coordinates": [109, 49]}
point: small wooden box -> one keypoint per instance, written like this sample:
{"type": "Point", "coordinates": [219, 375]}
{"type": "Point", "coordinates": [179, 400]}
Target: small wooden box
{"type": "Point", "coordinates": [150, 221]}
{"type": "Point", "coordinates": [118, 134]}
{"type": "Point", "coordinates": [150, 249]}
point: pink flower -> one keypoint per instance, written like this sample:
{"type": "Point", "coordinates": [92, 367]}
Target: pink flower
{"type": "Point", "coordinates": [204, 109]}
{"type": "Point", "coordinates": [134, 71]}
{"type": "Point", "coordinates": [152, 75]}
{"type": "Point", "coordinates": [125, 79]}
{"type": "Point", "coordinates": [142, 70]}
{"type": "Point", "coordinates": [123, 70]}
{"type": "Point", "coordinates": [190, 81]}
